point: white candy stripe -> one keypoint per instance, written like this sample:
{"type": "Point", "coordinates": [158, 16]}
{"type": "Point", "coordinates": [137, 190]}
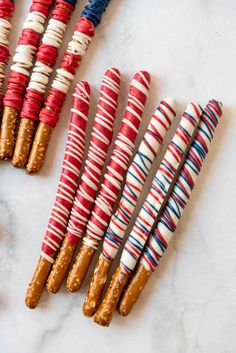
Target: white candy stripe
{"type": "Point", "coordinates": [24, 56]}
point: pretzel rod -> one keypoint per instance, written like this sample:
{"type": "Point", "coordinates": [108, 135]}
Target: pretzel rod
{"type": "Point", "coordinates": [6, 11]}
{"type": "Point", "coordinates": [20, 72]}
{"type": "Point", "coordinates": [161, 184]}
{"type": "Point", "coordinates": [113, 178]}
{"type": "Point", "coordinates": [77, 47]}
{"type": "Point", "coordinates": [135, 180]}
{"type": "Point", "coordinates": [43, 68]}
{"type": "Point", "coordinates": [166, 226]}
{"type": "Point", "coordinates": [65, 193]}
{"type": "Point", "coordinates": [100, 141]}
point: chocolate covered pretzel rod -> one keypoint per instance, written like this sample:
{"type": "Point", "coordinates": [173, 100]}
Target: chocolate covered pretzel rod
{"type": "Point", "coordinates": [100, 141]}
{"type": "Point", "coordinates": [45, 60]}
{"type": "Point", "coordinates": [161, 184]}
{"type": "Point", "coordinates": [65, 193]}
{"type": "Point", "coordinates": [112, 181]}
{"type": "Point", "coordinates": [20, 72]}
{"type": "Point", "coordinates": [135, 179]}
{"type": "Point", "coordinates": [6, 11]}
{"type": "Point", "coordinates": [166, 226]}
{"type": "Point", "coordinates": [49, 115]}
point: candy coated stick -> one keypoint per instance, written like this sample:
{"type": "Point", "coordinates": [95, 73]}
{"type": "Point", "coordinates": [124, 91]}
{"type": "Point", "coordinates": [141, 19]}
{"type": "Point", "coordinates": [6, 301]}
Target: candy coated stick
{"type": "Point", "coordinates": [113, 178]}
{"type": "Point", "coordinates": [65, 192]}
{"type": "Point", "coordinates": [135, 180]}
{"type": "Point", "coordinates": [43, 68]}
{"type": "Point", "coordinates": [20, 72]}
{"type": "Point", "coordinates": [84, 200]}
{"type": "Point", "coordinates": [77, 47]}
{"type": "Point", "coordinates": [161, 184]}
{"type": "Point", "coordinates": [6, 11]}
{"type": "Point", "coordinates": [166, 226]}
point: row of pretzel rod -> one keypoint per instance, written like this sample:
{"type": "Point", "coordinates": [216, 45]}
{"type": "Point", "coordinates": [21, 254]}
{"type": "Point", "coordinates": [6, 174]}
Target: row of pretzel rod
{"type": "Point", "coordinates": [84, 211]}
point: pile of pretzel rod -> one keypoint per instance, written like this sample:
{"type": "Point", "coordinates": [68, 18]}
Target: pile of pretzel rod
{"type": "Point", "coordinates": [98, 206]}
{"type": "Point", "coordinates": [28, 116]}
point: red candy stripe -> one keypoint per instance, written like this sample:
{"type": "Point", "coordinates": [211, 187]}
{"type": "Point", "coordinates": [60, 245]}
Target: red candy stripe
{"type": "Point", "coordinates": [100, 140]}
{"type": "Point", "coordinates": [70, 171]}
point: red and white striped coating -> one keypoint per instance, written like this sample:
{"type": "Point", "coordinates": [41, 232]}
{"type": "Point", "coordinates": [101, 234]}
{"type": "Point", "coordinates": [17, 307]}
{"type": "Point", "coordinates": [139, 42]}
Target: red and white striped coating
{"type": "Point", "coordinates": [100, 140]}
{"type": "Point", "coordinates": [46, 59]}
{"type": "Point", "coordinates": [70, 172]}
{"type": "Point", "coordinates": [28, 42]}
{"type": "Point", "coordinates": [119, 161]}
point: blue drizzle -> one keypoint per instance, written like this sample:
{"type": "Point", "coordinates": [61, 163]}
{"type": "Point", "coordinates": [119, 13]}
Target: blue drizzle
{"type": "Point", "coordinates": [94, 10]}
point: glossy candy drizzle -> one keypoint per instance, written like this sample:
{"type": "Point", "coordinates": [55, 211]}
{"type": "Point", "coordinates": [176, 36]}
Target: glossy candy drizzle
{"type": "Point", "coordinates": [181, 193]}
{"type": "Point", "coordinates": [120, 157]}
{"type": "Point", "coordinates": [70, 172]}
{"type": "Point", "coordinates": [159, 188]}
{"type": "Point", "coordinates": [100, 140]}
{"type": "Point", "coordinates": [25, 52]}
{"type": "Point", "coordinates": [46, 58]}
{"type": "Point", "coordinates": [137, 175]}
{"type": "Point", "coordinates": [6, 11]}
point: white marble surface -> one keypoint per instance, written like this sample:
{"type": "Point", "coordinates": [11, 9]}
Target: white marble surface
{"type": "Point", "coordinates": [190, 302]}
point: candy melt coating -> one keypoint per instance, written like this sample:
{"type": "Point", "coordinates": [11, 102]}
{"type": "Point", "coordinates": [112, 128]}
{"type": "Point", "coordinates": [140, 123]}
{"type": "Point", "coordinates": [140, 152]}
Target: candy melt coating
{"type": "Point", "coordinates": [160, 238]}
{"type": "Point", "coordinates": [46, 59]}
{"type": "Point", "coordinates": [137, 175]}
{"type": "Point", "coordinates": [70, 172]}
{"type": "Point", "coordinates": [120, 157]}
{"type": "Point", "coordinates": [100, 141]}
{"type": "Point", "coordinates": [28, 42]}
{"type": "Point", "coordinates": [160, 186]}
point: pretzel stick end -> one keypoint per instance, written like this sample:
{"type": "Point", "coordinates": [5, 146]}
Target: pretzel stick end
{"type": "Point", "coordinates": [133, 290]}
{"type": "Point", "coordinates": [23, 142]}
{"type": "Point", "coordinates": [8, 130]}
{"type": "Point", "coordinates": [39, 148]}
{"type": "Point", "coordinates": [79, 270]}
{"type": "Point", "coordinates": [36, 286]}
{"type": "Point", "coordinates": [96, 286]}
{"type": "Point", "coordinates": [60, 266]}
{"type": "Point", "coordinates": [105, 311]}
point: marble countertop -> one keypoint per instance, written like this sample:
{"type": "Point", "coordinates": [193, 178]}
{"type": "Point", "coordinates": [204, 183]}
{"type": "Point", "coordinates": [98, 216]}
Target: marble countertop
{"type": "Point", "coordinates": [190, 302]}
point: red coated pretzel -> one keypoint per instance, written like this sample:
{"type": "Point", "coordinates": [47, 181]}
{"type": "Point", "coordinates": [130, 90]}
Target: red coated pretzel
{"type": "Point", "coordinates": [113, 178]}
{"type": "Point", "coordinates": [19, 75]}
{"type": "Point", "coordinates": [84, 200]}
{"type": "Point", "coordinates": [65, 192]}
